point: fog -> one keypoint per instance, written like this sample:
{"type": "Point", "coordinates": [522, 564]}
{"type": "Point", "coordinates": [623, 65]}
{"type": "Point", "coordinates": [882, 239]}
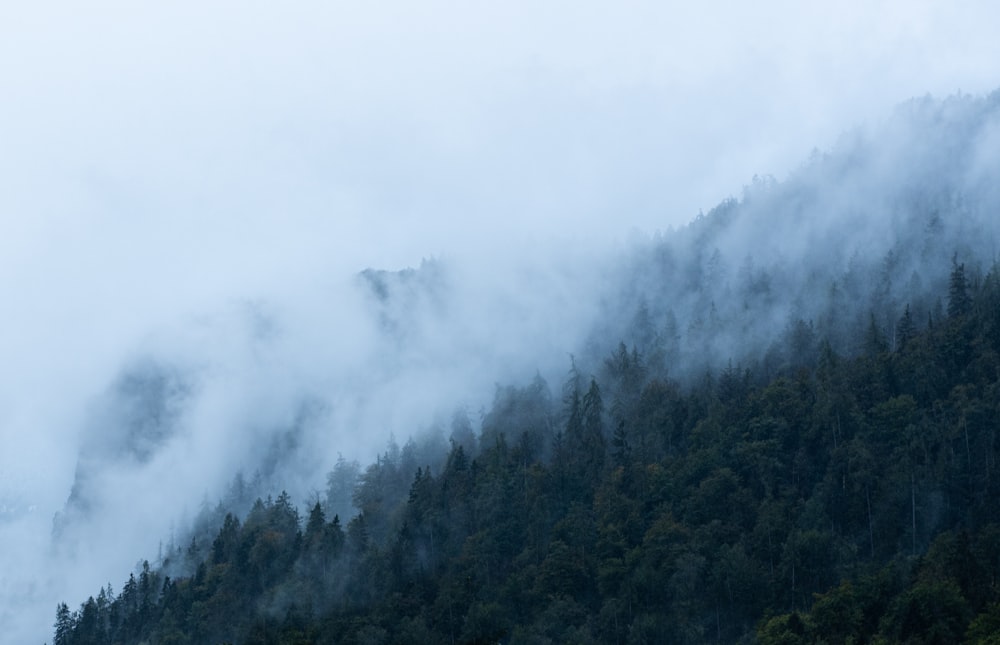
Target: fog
{"type": "Point", "coordinates": [834, 254]}
{"type": "Point", "coordinates": [188, 194]}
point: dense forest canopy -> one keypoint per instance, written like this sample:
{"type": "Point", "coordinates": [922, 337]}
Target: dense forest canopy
{"type": "Point", "coordinates": [782, 428]}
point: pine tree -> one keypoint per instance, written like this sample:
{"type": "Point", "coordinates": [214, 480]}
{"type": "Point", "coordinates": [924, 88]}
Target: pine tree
{"type": "Point", "coordinates": [64, 625]}
{"type": "Point", "coordinates": [593, 428]}
{"type": "Point", "coordinates": [959, 302]}
{"type": "Point", "coordinates": [875, 342]}
{"type": "Point", "coordinates": [314, 527]}
{"type": "Point", "coordinates": [905, 329]}
{"type": "Point", "coordinates": [621, 448]}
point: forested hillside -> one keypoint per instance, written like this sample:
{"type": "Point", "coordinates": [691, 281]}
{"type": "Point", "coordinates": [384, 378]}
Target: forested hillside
{"type": "Point", "coordinates": [794, 441]}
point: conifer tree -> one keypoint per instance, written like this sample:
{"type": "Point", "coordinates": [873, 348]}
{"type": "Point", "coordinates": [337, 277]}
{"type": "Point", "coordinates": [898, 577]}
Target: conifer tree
{"type": "Point", "coordinates": [958, 291]}
{"type": "Point", "coordinates": [905, 329]}
{"type": "Point", "coordinates": [64, 625]}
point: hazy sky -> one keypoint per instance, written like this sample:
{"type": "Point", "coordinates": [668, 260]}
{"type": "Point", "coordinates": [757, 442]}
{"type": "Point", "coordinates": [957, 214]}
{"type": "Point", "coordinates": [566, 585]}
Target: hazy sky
{"type": "Point", "coordinates": [161, 159]}
{"type": "Point", "coordinates": [159, 154]}
{"type": "Point", "coordinates": [157, 157]}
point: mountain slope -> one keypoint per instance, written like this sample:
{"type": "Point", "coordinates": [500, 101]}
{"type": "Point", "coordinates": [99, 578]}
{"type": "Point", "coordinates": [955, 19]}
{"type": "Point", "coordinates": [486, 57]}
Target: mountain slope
{"type": "Point", "coordinates": [804, 402]}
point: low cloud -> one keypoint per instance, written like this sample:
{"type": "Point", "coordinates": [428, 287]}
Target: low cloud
{"type": "Point", "coordinates": [189, 193]}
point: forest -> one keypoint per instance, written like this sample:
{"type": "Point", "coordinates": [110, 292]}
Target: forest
{"type": "Point", "coordinates": [848, 499]}
{"type": "Point", "coordinates": [782, 428]}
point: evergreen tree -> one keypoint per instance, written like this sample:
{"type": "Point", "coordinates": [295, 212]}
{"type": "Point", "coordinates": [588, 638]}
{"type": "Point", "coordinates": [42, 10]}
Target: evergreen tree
{"type": "Point", "coordinates": [875, 342]}
{"type": "Point", "coordinates": [958, 291]}
{"type": "Point", "coordinates": [593, 430]}
{"type": "Point", "coordinates": [315, 525]}
{"type": "Point", "coordinates": [905, 329]}
{"type": "Point", "coordinates": [64, 625]}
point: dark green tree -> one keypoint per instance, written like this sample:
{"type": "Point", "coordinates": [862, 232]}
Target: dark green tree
{"type": "Point", "coordinates": [958, 291]}
{"type": "Point", "coordinates": [64, 625]}
{"type": "Point", "coordinates": [905, 329]}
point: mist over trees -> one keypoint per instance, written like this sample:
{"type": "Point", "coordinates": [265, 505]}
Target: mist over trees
{"type": "Point", "coordinates": [861, 234]}
{"type": "Point", "coordinates": [781, 426]}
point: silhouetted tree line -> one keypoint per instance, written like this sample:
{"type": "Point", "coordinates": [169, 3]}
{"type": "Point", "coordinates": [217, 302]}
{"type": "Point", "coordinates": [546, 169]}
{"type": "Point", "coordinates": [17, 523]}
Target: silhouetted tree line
{"type": "Point", "coordinates": [844, 499]}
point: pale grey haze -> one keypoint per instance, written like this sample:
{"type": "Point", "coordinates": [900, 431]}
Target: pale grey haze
{"type": "Point", "coordinates": [188, 191]}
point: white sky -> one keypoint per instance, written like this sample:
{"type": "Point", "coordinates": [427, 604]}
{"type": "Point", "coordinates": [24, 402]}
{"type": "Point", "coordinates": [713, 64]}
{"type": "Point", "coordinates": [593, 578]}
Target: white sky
{"type": "Point", "coordinates": [156, 156]}
{"type": "Point", "coordinates": [160, 157]}
{"type": "Point", "coordinates": [242, 133]}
